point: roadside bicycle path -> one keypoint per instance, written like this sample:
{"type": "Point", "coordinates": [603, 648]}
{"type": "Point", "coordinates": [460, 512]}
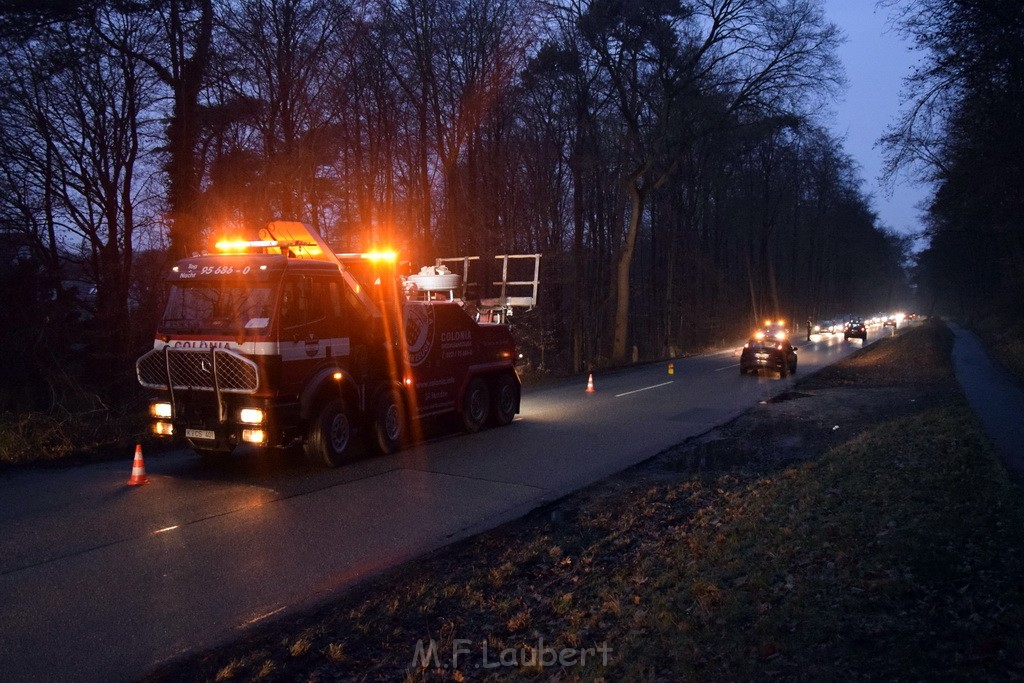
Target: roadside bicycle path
{"type": "Point", "coordinates": [995, 396]}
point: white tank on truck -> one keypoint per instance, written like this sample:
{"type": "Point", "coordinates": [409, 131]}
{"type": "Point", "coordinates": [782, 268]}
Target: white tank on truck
{"type": "Point", "coordinates": [280, 341]}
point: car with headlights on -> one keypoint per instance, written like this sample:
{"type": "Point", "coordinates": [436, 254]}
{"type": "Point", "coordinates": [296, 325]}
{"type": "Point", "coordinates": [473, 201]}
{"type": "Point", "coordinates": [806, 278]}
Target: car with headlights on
{"type": "Point", "coordinates": [828, 327]}
{"type": "Point", "coordinates": [768, 351]}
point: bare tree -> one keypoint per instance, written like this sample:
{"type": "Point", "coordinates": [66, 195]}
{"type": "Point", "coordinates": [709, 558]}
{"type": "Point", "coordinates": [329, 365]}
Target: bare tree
{"type": "Point", "coordinates": [453, 60]}
{"type": "Point", "coordinates": [743, 55]}
{"type": "Point", "coordinates": [283, 58]}
{"type": "Point", "coordinates": [87, 105]}
{"type": "Point", "coordinates": [960, 130]}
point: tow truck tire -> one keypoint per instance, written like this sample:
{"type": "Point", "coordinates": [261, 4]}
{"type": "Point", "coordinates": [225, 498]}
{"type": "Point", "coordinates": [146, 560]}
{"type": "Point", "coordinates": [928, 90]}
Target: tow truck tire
{"type": "Point", "coordinates": [389, 429]}
{"type": "Point", "coordinates": [504, 398]}
{"type": "Point", "coordinates": [475, 406]}
{"type": "Point", "coordinates": [330, 435]}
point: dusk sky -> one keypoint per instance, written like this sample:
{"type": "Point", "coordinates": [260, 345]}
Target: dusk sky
{"type": "Point", "coordinates": [876, 60]}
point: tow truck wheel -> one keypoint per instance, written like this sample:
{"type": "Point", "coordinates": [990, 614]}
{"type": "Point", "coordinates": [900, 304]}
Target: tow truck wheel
{"type": "Point", "coordinates": [330, 435]}
{"type": "Point", "coordinates": [388, 431]}
{"type": "Point", "coordinates": [475, 406]}
{"type": "Point", "coordinates": [504, 398]}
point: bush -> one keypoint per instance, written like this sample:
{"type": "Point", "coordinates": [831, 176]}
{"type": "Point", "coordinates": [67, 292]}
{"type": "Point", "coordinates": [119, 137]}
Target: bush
{"type": "Point", "coordinates": [35, 437]}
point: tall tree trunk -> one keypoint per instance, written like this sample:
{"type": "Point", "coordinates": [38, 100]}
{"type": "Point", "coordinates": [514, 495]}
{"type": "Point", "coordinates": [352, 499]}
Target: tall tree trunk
{"type": "Point", "coordinates": [624, 266]}
{"type": "Point", "coordinates": [578, 301]}
{"type": "Point", "coordinates": [185, 77]}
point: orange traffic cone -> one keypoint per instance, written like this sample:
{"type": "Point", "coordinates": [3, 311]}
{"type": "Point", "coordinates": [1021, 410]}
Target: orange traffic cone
{"type": "Point", "coordinates": [138, 469]}
{"type": "Point", "coordinates": [590, 383]}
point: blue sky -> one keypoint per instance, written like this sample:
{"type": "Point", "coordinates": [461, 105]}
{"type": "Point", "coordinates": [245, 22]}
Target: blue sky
{"type": "Point", "coordinates": [876, 60]}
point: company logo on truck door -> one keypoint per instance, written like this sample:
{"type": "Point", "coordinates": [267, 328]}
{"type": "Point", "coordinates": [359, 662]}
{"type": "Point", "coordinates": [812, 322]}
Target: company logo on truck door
{"type": "Point", "coordinates": [419, 332]}
{"type": "Point", "coordinates": [456, 344]}
{"type": "Point", "coordinates": [311, 347]}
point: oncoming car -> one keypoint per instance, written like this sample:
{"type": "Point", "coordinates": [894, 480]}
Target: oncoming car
{"type": "Point", "coordinates": [770, 351]}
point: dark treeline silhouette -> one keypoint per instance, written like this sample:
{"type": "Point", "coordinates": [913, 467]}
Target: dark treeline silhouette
{"type": "Point", "coordinates": [962, 129]}
{"type": "Point", "coordinates": [665, 157]}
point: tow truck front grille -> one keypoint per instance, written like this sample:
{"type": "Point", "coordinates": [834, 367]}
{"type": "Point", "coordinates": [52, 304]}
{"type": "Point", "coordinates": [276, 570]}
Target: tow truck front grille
{"type": "Point", "coordinates": [187, 369]}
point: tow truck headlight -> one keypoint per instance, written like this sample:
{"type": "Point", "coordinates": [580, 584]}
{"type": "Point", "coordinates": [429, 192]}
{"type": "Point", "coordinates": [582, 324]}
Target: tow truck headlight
{"type": "Point", "coordinates": [256, 436]}
{"type": "Point", "coordinates": [160, 409]}
{"type": "Point", "coordinates": [163, 428]}
{"type": "Point", "coordinates": [250, 416]}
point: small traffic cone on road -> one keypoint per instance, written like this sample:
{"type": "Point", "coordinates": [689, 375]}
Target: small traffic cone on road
{"type": "Point", "coordinates": [138, 469]}
{"type": "Point", "coordinates": [590, 383]}
{"type": "Point", "coordinates": [671, 368]}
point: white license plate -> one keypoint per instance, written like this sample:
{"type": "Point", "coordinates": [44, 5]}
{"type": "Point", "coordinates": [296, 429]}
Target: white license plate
{"type": "Point", "coordinates": [762, 356]}
{"type": "Point", "coordinates": [200, 434]}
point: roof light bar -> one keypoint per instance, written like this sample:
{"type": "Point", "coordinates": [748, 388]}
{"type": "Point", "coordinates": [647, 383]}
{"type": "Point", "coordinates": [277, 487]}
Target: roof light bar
{"type": "Point", "coordinates": [243, 245]}
{"type": "Point", "coordinates": [379, 256]}
{"type": "Point", "coordinates": [382, 255]}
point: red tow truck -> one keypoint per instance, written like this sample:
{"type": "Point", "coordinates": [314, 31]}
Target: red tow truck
{"type": "Point", "coordinates": [279, 341]}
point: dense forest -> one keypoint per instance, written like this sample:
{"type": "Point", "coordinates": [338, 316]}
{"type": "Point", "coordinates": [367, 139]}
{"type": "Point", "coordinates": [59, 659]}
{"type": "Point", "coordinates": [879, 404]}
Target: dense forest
{"type": "Point", "coordinates": [668, 158]}
{"type": "Point", "coordinates": [962, 130]}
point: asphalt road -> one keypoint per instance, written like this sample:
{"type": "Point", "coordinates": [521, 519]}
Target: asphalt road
{"type": "Point", "coordinates": [101, 582]}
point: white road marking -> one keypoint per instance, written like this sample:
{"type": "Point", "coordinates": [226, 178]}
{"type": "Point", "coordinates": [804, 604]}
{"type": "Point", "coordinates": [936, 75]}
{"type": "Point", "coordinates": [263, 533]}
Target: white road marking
{"type": "Point", "coordinates": [727, 367]}
{"type": "Point", "coordinates": [637, 391]}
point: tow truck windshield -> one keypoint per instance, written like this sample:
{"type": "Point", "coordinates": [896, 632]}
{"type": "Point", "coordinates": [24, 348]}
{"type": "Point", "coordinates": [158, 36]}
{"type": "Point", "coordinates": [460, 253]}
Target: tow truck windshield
{"type": "Point", "coordinates": [218, 308]}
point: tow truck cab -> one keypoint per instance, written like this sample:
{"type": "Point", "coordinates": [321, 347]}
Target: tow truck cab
{"type": "Point", "coordinates": [278, 342]}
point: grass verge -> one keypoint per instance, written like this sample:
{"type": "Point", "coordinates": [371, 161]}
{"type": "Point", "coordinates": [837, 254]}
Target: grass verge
{"type": "Point", "coordinates": [863, 529]}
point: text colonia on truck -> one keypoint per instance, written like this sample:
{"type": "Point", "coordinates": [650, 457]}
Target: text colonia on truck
{"type": "Point", "coordinates": [280, 341]}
